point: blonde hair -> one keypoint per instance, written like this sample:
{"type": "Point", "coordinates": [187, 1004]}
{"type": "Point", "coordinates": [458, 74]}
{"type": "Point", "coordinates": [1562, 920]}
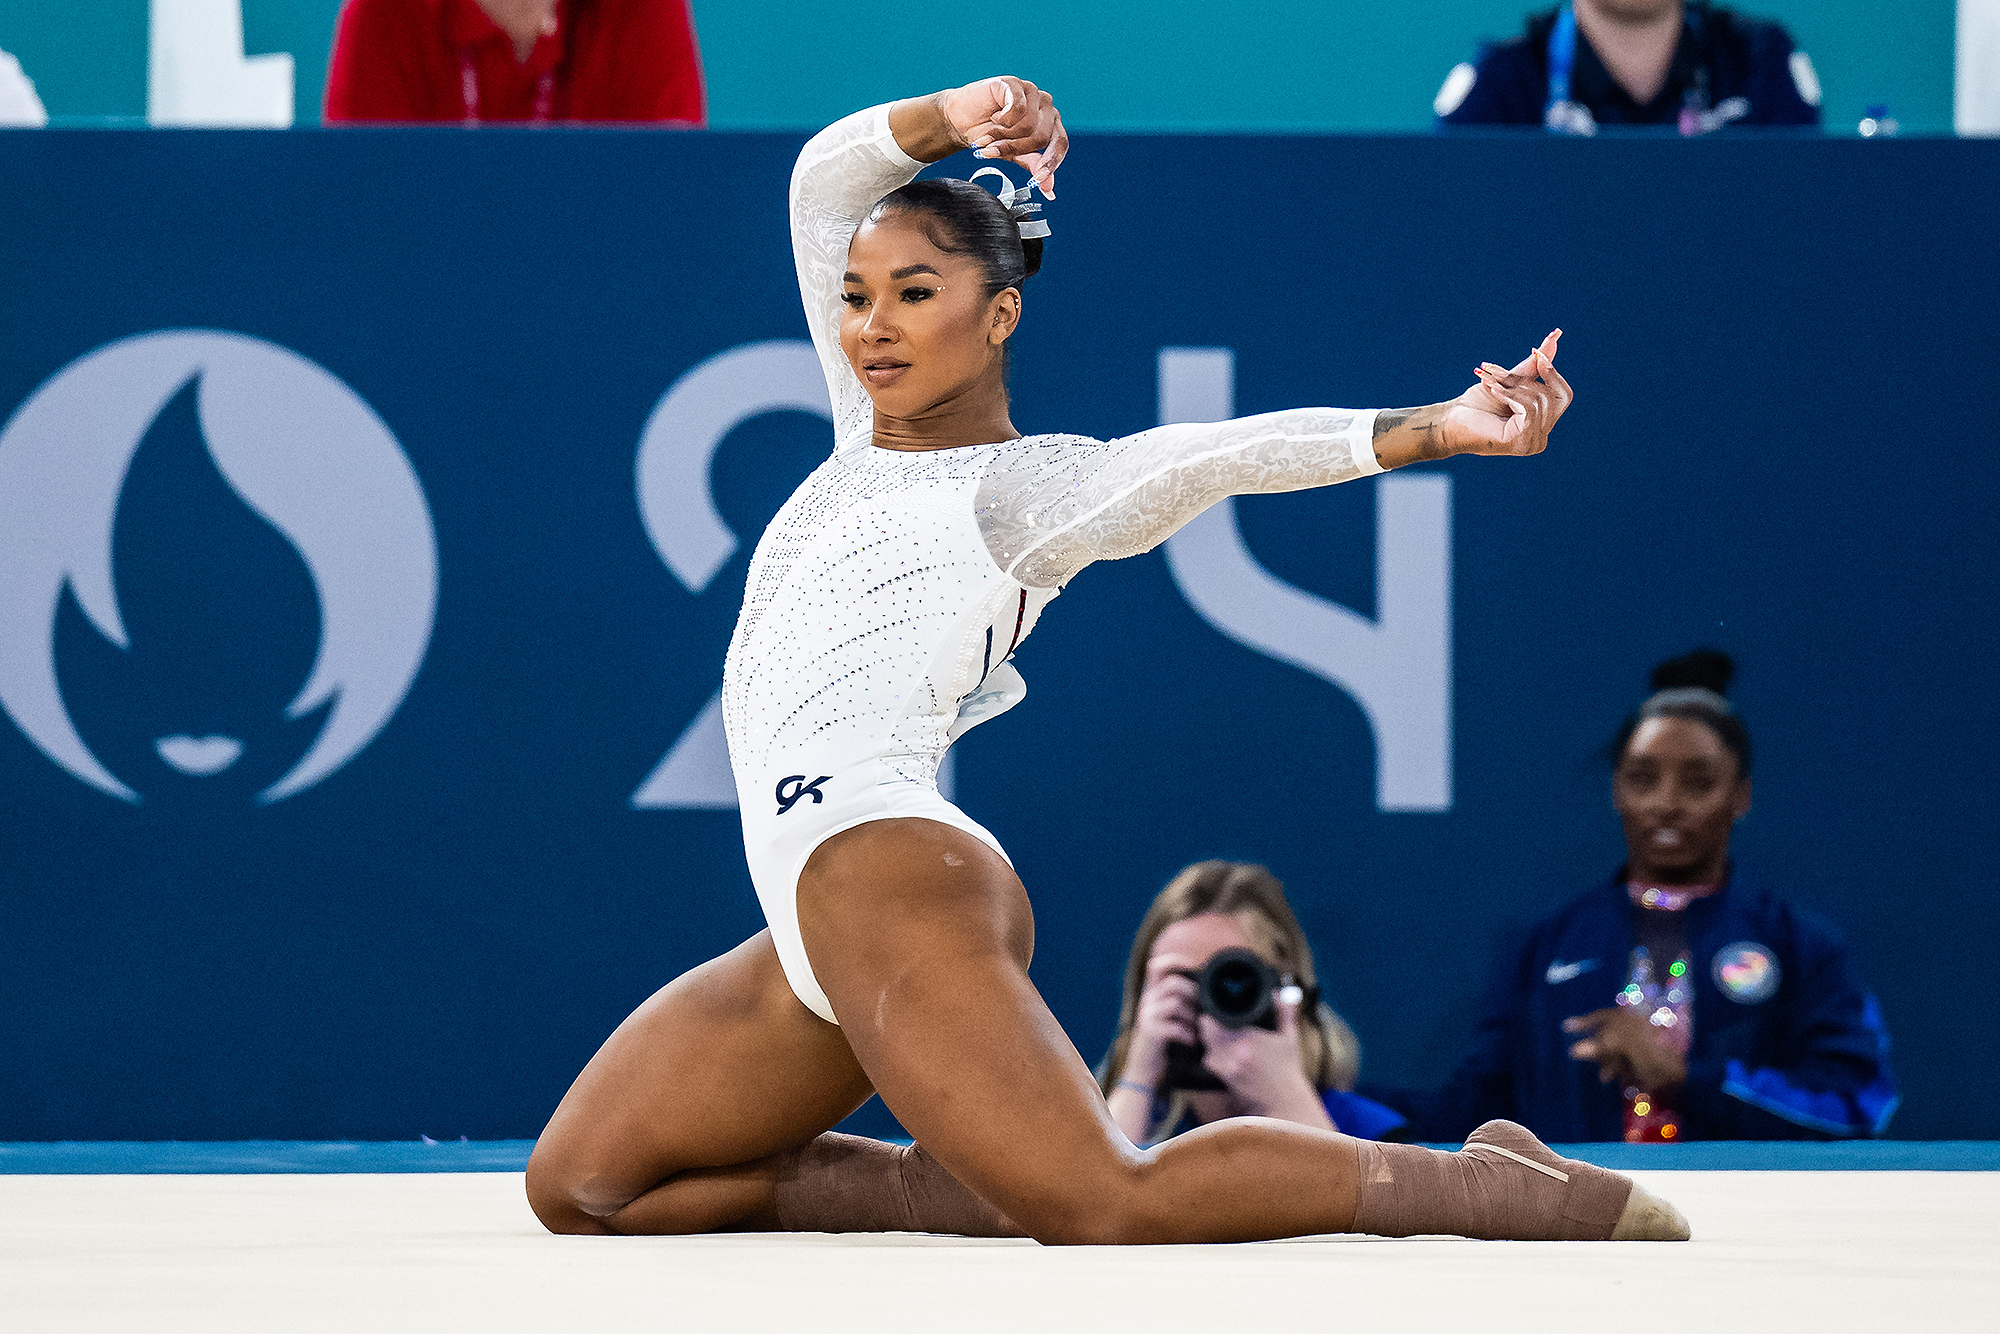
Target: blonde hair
{"type": "Point", "coordinates": [1329, 1053]}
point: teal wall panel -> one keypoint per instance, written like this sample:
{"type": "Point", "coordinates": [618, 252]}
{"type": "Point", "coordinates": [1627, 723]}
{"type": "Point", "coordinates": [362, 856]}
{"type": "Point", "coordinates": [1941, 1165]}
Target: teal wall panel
{"type": "Point", "coordinates": [87, 59]}
{"type": "Point", "coordinates": [1277, 66]}
{"type": "Point", "coordinates": [1285, 65]}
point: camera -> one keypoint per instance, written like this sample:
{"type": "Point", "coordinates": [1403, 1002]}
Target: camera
{"type": "Point", "coordinates": [1238, 989]}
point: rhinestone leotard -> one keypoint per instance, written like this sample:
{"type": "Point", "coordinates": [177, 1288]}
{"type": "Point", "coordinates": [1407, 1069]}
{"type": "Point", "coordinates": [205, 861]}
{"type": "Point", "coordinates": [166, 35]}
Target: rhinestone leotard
{"type": "Point", "coordinates": [888, 595]}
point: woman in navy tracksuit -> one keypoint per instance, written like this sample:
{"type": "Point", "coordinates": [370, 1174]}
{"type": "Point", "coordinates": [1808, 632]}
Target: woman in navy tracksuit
{"type": "Point", "coordinates": [1679, 1000]}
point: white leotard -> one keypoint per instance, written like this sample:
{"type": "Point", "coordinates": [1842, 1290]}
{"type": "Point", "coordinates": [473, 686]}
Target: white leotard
{"type": "Point", "coordinates": [888, 594]}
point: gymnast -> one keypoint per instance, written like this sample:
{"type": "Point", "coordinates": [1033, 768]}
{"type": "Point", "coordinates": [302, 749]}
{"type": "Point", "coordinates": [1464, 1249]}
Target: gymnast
{"type": "Point", "coordinates": [884, 605]}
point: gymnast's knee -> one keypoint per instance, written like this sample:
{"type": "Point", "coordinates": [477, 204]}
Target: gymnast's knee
{"type": "Point", "coordinates": [562, 1201]}
{"type": "Point", "coordinates": [1115, 1211]}
{"type": "Point", "coordinates": [571, 1200]}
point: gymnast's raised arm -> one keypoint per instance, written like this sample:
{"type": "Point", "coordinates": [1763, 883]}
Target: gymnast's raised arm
{"type": "Point", "coordinates": [848, 166]}
{"type": "Point", "coordinates": [1140, 490]}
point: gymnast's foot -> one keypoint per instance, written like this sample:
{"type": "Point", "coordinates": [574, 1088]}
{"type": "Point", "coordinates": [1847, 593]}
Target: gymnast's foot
{"type": "Point", "coordinates": [1596, 1204]}
{"type": "Point", "coordinates": [1504, 1185]}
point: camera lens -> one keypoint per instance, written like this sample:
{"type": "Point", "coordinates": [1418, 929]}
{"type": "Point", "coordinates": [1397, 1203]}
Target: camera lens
{"type": "Point", "coordinates": [1236, 989]}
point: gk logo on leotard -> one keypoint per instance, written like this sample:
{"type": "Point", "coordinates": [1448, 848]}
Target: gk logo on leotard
{"type": "Point", "coordinates": [787, 800]}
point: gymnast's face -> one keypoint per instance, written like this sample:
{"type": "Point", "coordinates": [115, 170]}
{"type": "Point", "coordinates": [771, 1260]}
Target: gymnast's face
{"type": "Point", "coordinates": [1678, 790]}
{"type": "Point", "coordinates": [920, 331]}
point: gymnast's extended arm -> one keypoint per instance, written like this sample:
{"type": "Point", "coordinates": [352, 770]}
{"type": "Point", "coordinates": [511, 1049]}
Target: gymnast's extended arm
{"type": "Point", "coordinates": [1136, 492]}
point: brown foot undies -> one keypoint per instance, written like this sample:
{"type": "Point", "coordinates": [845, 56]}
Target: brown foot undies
{"type": "Point", "coordinates": [844, 1183]}
{"type": "Point", "coordinates": [1505, 1185]}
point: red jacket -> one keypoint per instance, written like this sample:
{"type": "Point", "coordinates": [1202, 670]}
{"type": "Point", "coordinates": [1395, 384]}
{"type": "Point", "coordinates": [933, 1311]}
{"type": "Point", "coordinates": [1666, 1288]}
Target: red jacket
{"type": "Point", "coordinates": [445, 60]}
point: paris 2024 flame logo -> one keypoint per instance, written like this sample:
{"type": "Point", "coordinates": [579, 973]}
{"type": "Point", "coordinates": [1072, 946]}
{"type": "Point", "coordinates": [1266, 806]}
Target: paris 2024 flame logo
{"type": "Point", "coordinates": [275, 568]}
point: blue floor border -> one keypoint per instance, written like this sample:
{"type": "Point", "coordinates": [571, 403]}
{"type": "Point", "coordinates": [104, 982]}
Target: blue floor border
{"type": "Point", "coordinates": [258, 1156]}
{"type": "Point", "coordinates": [254, 1157]}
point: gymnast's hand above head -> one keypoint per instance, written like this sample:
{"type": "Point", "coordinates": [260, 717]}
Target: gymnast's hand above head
{"type": "Point", "coordinates": [1504, 412]}
{"type": "Point", "coordinates": [1002, 117]}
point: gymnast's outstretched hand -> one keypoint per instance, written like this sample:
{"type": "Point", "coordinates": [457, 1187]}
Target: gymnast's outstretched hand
{"type": "Point", "coordinates": [1511, 411]}
{"type": "Point", "coordinates": [1003, 117]}
{"type": "Point", "coordinates": [1504, 412]}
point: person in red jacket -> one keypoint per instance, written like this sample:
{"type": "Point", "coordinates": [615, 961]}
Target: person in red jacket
{"type": "Point", "coordinates": [515, 60]}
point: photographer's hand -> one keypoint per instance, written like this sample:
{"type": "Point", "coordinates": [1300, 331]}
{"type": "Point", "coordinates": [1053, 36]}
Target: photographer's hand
{"type": "Point", "coordinates": [1166, 1014]}
{"type": "Point", "coordinates": [1263, 1070]}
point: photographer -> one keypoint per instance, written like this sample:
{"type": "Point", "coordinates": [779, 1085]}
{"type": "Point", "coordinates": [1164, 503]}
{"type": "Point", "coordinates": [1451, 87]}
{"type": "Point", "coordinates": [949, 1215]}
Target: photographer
{"type": "Point", "coordinates": [1222, 1017]}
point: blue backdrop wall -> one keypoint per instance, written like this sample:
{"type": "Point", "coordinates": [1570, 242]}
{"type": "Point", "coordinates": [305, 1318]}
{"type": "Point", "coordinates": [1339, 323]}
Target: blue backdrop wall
{"type": "Point", "coordinates": [355, 593]}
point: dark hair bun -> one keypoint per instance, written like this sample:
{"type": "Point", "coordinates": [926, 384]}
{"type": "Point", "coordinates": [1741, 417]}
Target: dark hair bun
{"type": "Point", "coordinates": [1708, 668]}
{"type": "Point", "coordinates": [965, 218]}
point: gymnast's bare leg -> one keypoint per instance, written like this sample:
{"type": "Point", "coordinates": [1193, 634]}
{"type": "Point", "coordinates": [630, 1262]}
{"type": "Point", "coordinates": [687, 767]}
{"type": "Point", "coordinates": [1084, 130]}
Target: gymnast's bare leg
{"type": "Point", "coordinates": [926, 935]}
{"type": "Point", "coordinates": [692, 1115]}
{"type": "Point", "coordinates": [705, 1111]}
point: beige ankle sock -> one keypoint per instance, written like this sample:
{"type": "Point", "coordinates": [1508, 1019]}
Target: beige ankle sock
{"type": "Point", "coordinates": [1504, 1185]}
{"type": "Point", "coordinates": [844, 1183]}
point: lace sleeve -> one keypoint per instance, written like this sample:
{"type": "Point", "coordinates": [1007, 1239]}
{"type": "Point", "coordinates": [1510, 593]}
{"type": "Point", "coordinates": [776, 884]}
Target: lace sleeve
{"type": "Point", "coordinates": [1051, 510]}
{"type": "Point", "coordinates": [842, 171]}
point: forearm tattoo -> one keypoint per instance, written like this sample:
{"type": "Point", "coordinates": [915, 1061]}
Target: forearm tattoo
{"type": "Point", "coordinates": [1422, 423]}
{"type": "Point", "coordinates": [1389, 419]}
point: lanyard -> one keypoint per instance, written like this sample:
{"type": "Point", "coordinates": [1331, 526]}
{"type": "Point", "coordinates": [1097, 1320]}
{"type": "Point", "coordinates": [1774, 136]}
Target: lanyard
{"type": "Point", "coordinates": [1562, 55]}
{"type": "Point", "coordinates": [468, 88]}
{"type": "Point", "coordinates": [1559, 113]}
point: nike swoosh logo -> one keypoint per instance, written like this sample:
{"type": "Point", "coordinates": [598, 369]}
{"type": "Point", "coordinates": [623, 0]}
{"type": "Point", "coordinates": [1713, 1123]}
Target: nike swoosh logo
{"type": "Point", "coordinates": [1560, 973]}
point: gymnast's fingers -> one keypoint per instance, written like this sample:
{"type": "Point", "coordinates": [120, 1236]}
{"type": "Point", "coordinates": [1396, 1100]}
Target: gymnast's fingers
{"type": "Point", "coordinates": [1518, 375]}
{"type": "Point", "coordinates": [1036, 139]}
{"type": "Point", "coordinates": [1033, 135]}
{"type": "Point", "coordinates": [999, 104]}
{"type": "Point", "coordinates": [1509, 395]}
{"type": "Point", "coordinates": [1019, 118]}
{"type": "Point", "coordinates": [1516, 430]}
{"type": "Point", "coordinates": [1546, 351]}
{"type": "Point", "coordinates": [1563, 393]}
{"type": "Point", "coordinates": [1052, 158]}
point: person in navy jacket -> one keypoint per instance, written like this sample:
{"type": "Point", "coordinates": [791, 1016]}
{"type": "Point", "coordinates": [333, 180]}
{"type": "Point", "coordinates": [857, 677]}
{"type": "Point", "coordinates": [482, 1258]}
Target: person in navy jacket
{"type": "Point", "coordinates": [1679, 1000]}
{"type": "Point", "coordinates": [1692, 66]}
